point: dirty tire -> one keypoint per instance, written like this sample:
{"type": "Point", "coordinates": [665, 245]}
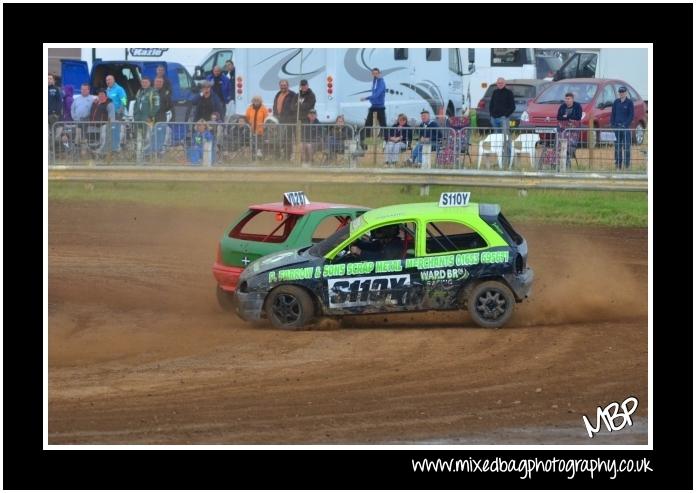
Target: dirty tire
{"type": "Point", "coordinates": [491, 304]}
{"type": "Point", "coordinates": [289, 307]}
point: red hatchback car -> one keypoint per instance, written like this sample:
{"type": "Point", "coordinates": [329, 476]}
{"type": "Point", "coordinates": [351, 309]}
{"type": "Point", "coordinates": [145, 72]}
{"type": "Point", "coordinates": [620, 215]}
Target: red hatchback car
{"type": "Point", "coordinates": [596, 97]}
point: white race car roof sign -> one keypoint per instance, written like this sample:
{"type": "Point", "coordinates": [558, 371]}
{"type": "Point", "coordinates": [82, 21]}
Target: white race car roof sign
{"type": "Point", "coordinates": [454, 199]}
{"type": "Point", "coordinates": [295, 198]}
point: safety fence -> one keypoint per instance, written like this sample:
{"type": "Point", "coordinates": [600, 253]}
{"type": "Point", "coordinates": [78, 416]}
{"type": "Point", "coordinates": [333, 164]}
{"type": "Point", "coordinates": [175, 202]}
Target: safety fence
{"type": "Point", "coordinates": [442, 147]}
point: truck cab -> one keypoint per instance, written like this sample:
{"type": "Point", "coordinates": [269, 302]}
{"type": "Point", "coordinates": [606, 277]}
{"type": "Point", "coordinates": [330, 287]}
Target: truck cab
{"type": "Point", "coordinates": [128, 75]}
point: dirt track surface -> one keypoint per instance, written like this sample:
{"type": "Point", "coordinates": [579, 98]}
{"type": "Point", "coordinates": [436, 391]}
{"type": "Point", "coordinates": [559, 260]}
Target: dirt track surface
{"type": "Point", "coordinates": [139, 352]}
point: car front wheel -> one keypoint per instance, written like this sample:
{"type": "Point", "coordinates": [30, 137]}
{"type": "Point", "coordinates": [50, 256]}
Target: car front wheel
{"type": "Point", "coordinates": [289, 307]}
{"type": "Point", "coordinates": [491, 304]}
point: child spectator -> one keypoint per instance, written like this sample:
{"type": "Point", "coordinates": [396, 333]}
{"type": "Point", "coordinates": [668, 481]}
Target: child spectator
{"type": "Point", "coordinates": [201, 145]}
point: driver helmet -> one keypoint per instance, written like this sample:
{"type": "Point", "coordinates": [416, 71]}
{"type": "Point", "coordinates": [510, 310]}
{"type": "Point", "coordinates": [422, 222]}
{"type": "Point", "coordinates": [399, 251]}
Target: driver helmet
{"type": "Point", "coordinates": [386, 232]}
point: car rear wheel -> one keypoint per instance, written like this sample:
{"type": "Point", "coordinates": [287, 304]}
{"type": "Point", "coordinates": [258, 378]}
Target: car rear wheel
{"type": "Point", "coordinates": [289, 307]}
{"type": "Point", "coordinates": [225, 299]}
{"type": "Point", "coordinates": [491, 304]}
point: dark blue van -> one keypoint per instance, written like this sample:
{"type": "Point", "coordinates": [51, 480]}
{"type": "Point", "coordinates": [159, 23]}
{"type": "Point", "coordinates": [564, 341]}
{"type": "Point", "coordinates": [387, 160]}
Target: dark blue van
{"type": "Point", "coordinates": [128, 75]}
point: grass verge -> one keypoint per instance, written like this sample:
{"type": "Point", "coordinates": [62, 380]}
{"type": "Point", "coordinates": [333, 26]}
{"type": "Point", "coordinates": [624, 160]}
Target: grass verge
{"type": "Point", "coordinates": [613, 209]}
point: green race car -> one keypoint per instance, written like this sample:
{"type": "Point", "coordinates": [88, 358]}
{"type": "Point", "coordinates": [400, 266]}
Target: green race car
{"type": "Point", "coordinates": [268, 228]}
{"type": "Point", "coordinates": [412, 257]}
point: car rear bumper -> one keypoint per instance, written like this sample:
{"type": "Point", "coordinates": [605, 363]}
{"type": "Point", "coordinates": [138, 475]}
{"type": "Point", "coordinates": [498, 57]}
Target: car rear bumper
{"type": "Point", "coordinates": [226, 276]}
{"type": "Point", "coordinates": [249, 306]}
{"type": "Point", "coordinates": [521, 284]}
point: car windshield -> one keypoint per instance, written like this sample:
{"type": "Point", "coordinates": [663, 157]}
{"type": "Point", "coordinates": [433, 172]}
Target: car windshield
{"type": "Point", "coordinates": [555, 93]}
{"type": "Point", "coordinates": [325, 246]}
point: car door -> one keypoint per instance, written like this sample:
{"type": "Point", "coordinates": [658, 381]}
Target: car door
{"type": "Point", "coordinates": [352, 285]}
{"type": "Point", "coordinates": [182, 92]}
{"type": "Point", "coordinates": [450, 256]}
{"type": "Point", "coordinates": [74, 73]}
{"type": "Point", "coordinates": [605, 100]}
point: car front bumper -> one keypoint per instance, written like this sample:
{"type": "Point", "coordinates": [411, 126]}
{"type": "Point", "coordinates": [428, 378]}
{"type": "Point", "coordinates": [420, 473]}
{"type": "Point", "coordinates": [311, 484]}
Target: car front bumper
{"type": "Point", "coordinates": [249, 306]}
{"type": "Point", "coordinates": [521, 284]}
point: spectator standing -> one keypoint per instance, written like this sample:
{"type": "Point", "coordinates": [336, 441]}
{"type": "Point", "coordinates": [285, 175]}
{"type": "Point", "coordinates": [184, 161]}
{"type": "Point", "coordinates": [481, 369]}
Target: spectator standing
{"type": "Point", "coordinates": [397, 138]}
{"type": "Point", "coordinates": [284, 103]}
{"type": "Point", "coordinates": [305, 100]}
{"type": "Point", "coordinates": [201, 147]}
{"type": "Point", "coordinates": [67, 103]}
{"type": "Point", "coordinates": [82, 104]}
{"type": "Point", "coordinates": [55, 102]}
{"type": "Point", "coordinates": [285, 111]}
{"type": "Point", "coordinates": [165, 106]}
{"type": "Point", "coordinates": [103, 111]}
{"type": "Point", "coordinates": [501, 107]}
{"type": "Point", "coordinates": [621, 119]}
{"type": "Point", "coordinates": [81, 108]}
{"type": "Point", "coordinates": [145, 109]}
{"type": "Point", "coordinates": [165, 101]}
{"type": "Point", "coordinates": [221, 87]}
{"type": "Point", "coordinates": [206, 103]}
{"type": "Point", "coordinates": [161, 72]}
{"type": "Point", "coordinates": [256, 115]}
{"type": "Point", "coordinates": [376, 99]}
{"type": "Point", "coordinates": [230, 72]}
{"type": "Point", "coordinates": [429, 134]}
{"type": "Point", "coordinates": [311, 136]}
{"type": "Point", "coordinates": [117, 95]}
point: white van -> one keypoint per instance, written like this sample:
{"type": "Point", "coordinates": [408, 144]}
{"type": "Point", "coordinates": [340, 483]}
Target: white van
{"type": "Point", "coordinates": [485, 65]}
{"type": "Point", "coordinates": [416, 78]}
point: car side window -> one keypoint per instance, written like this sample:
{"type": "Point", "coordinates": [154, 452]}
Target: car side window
{"type": "Point", "coordinates": [222, 57]}
{"type": "Point", "coordinates": [209, 64]}
{"type": "Point", "coordinates": [328, 226]}
{"type": "Point", "coordinates": [391, 242]}
{"type": "Point", "coordinates": [184, 81]}
{"type": "Point", "coordinates": [608, 95]}
{"type": "Point", "coordinates": [450, 236]}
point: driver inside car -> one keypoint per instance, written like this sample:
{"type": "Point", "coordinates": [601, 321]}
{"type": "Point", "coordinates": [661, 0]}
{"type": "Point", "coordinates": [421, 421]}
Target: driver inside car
{"type": "Point", "coordinates": [385, 244]}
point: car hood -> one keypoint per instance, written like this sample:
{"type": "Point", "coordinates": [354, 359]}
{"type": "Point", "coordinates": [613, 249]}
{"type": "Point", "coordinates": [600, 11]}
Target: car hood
{"type": "Point", "coordinates": [284, 258]}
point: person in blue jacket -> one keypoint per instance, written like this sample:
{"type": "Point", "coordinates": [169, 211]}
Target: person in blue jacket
{"type": "Point", "coordinates": [222, 87]}
{"type": "Point", "coordinates": [376, 99]}
{"type": "Point", "coordinates": [621, 119]}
